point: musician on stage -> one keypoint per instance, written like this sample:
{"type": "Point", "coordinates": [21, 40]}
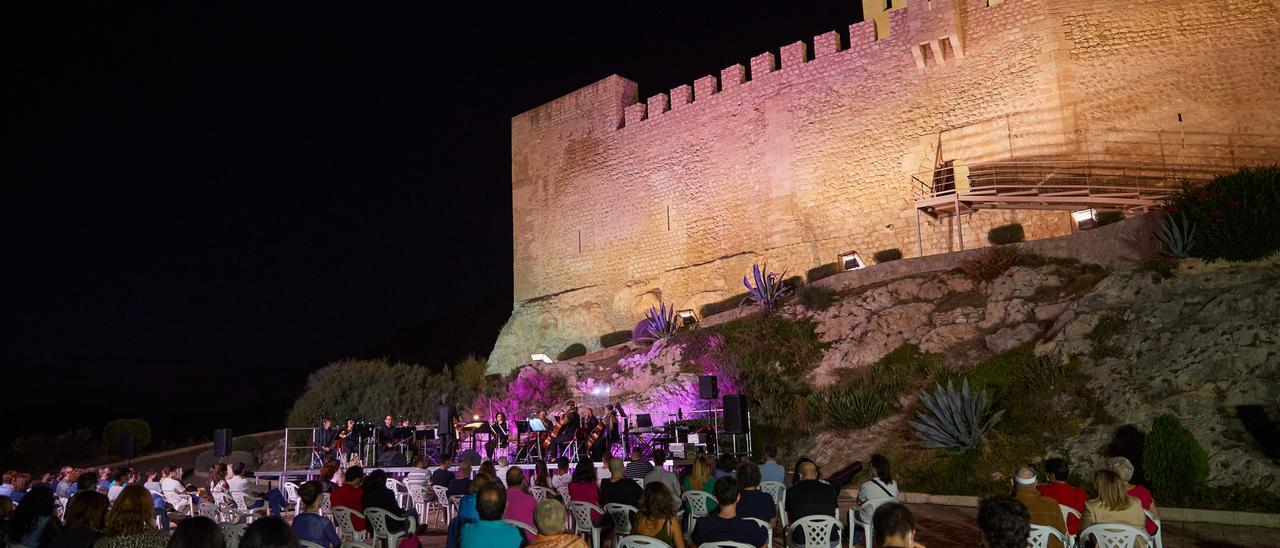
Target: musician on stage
{"type": "Point", "coordinates": [387, 441]}
{"type": "Point", "coordinates": [447, 420]}
{"type": "Point", "coordinates": [405, 434]}
{"type": "Point", "coordinates": [325, 439]}
{"type": "Point", "coordinates": [499, 434]}
{"type": "Point", "coordinates": [607, 435]}
{"type": "Point", "coordinates": [350, 445]}
{"type": "Point", "coordinates": [569, 423]}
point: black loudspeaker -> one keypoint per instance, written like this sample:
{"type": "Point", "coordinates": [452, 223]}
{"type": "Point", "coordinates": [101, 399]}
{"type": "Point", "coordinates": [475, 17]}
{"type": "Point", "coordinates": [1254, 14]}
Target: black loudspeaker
{"type": "Point", "coordinates": [222, 442]}
{"type": "Point", "coordinates": [735, 414]}
{"type": "Point", "coordinates": [127, 449]}
{"type": "Point", "coordinates": [707, 388]}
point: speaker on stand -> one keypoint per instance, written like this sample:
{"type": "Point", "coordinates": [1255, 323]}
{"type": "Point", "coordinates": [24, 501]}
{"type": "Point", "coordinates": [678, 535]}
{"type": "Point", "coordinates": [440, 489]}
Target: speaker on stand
{"type": "Point", "coordinates": [707, 388]}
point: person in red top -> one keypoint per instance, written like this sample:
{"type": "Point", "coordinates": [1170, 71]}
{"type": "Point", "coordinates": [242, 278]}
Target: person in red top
{"type": "Point", "coordinates": [1123, 468]}
{"type": "Point", "coordinates": [349, 495]}
{"type": "Point", "coordinates": [1067, 495]}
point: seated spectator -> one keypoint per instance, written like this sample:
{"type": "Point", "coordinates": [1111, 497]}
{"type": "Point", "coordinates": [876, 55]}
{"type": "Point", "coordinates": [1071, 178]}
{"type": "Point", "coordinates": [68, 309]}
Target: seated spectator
{"type": "Point", "coordinates": [810, 497]}
{"type": "Point", "coordinates": [662, 475]}
{"type": "Point", "coordinates": [1003, 522]}
{"type": "Point", "coordinates": [152, 482]}
{"type": "Point", "coordinates": [104, 479]}
{"type": "Point", "coordinates": [377, 495]}
{"type": "Point", "coordinates": [702, 478]}
{"type": "Point", "coordinates": [894, 526]}
{"type": "Point", "coordinates": [197, 532]}
{"type": "Point", "coordinates": [725, 524]}
{"type": "Point", "coordinates": [657, 517]}
{"type": "Point", "coordinates": [329, 475]}
{"type": "Point", "coordinates": [638, 468]}
{"type": "Point", "coordinates": [770, 470]}
{"type": "Point", "coordinates": [237, 483]}
{"type": "Point", "coordinates": [584, 487]}
{"type": "Point", "coordinates": [489, 469]}
{"type": "Point", "coordinates": [504, 464]}
{"type": "Point", "coordinates": [350, 494]}
{"type": "Point", "coordinates": [270, 532]}
{"type": "Point", "coordinates": [66, 479]}
{"type": "Point", "coordinates": [541, 476]}
{"type": "Point", "coordinates": [1113, 504]}
{"type": "Point", "coordinates": [171, 486]}
{"type": "Point", "coordinates": [131, 522]}
{"type": "Point", "coordinates": [419, 476]}
{"type": "Point", "coordinates": [520, 502]}
{"type": "Point", "coordinates": [6, 484]}
{"type": "Point", "coordinates": [21, 483]}
{"type": "Point", "coordinates": [726, 466]}
{"type": "Point", "coordinates": [84, 520]}
{"type": "Point", "coordinates": [461, 484]}
{"type": "Point", "coordinates": [87, 481]}
{"type": "Point", "coordinates": [33, 523]}
{"type": "Point", "coordinates": [550, 518]}
{"type": "Point", "coordinates": [754, 503]}
{"type": "Point", "coordinates": [1123, 468]}
{"type": "Point", "coordinates": [1062, 492]}
{"type": "Point", "coordinates": [490, 530]}
{"type": "Point", "coordinates": [467, 504]}
{"type": "Point", "coordinates": [310, 525]}
{"type": "Point", "coordinates": [619, 488]}
{"type": "Point", "coordinates": [879, 489]}
{"type": "Point", "coordinates": [123, 477]}
{"type": "Point", "coordinates": [563, 476]}
{"type": "Point", "coordinates": [443, 475]}
{"type": "Point", "coordinates": [1043, 510]}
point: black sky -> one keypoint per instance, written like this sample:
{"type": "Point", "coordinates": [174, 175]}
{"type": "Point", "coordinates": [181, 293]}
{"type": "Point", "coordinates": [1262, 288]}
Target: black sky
{"type": "Point", "coordinates": [207, 201]}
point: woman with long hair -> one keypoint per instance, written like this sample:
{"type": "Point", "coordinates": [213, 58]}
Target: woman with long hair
{"type": "Point", "coordinates": [329, 475]}
{"type": "Point", "coordinates": [33, 523]}
{"type": "Point", "coordinates": [85, 519]}
{"type": "Point", "coordinates": [584, 487]}
{"type": "Point", "coordinates": [1113, 504]}
{"type": "Point", "coordinates": [657, 516]}
{"type": "Point", "coordinates": [487, 468]}
{"type": "Point", "coordinates": [702, 478]}
{"type": "Point", "coordinates": [878, 489]}
{"type": "Point", "coordinates": [131, 522]}
{"type": "Point", "coordinates": [541, 476]}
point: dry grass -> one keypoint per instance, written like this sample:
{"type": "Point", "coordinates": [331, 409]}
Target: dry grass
{"type": "Point", "coordinates": [990, 263]}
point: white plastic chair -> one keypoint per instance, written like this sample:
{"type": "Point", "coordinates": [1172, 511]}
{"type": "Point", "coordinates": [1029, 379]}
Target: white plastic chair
{"type": "Point", "coordinates": [442, 499]}
{"type": "Point", "coordinates": [1069, 511]}
{"type": "Point", "coordinates": [418, 497]}
{"type": "Point", "coordinates": [354, 544]}
{"type": "Point", "coordinates": [377, 519]}
{"type": "Point", "coordinates": [816, 529]}
{"type": "Point", "coordinates": [308, 544]}
{"type": "Point", "coordinates": [231, 534]}
{"type": "Point", "coordinates": [641, 541]}
{"type": "Point", "coordinates": [867, 509]}
{"type": "Point", "coordinates": [291, 496]}
{"type": "Point", "coordinates": [242, 501]}
{"type": "Point", "coordinates": [1159, 536]}
{"type": "Point", "coordinates": [182, 502]}
{"type": "Point", "coordinates": [225, 505]}
{"type": "Point", "coordinates": [539, 493]}
{"type": "Point", "coordinates": [326, 506]}
{"type": "Point", "coordinates": [775, 489]}
{"type": "Point", "coordinates": [209, 510]}
{"type": "Point", "coordinates": [522, 526]}
{"type": "Point", "coordinates": [346, 527]}
{"type": "Point", "coordinates": [768, 528]}
{"type": "Point", "coordinates": [1115, 535]}
{"type": "Point", "coordinates": [620, 514]}
{"type": "Point", "coordinates": [1040, 535]}
{"type": "Point", "coordinates": [699, 506]}
{"type": "Point", "coordinates": [725, 544]}
{"type": "Point", "coordinates": [400, 490]}
{"type": "Point", "coordinates": [582, 523]}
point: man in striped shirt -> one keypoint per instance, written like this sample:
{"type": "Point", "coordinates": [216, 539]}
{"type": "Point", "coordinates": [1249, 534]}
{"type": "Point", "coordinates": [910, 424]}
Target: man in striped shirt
{"type": "Point", "coordinates": [638, 468]}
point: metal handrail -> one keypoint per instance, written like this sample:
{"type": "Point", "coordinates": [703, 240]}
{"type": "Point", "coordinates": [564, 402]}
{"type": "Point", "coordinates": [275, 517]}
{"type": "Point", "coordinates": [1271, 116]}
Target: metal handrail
{"type": "Point", "coordinates": [1051, 174]}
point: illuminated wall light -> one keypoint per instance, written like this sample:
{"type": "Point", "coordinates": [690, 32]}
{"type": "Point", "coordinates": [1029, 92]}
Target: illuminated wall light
{"type": "Point", "coordinates": [1085, 218]}
{"type": "Point", "coordinates": [850, 261]}
{"type": "Point", "coordinates": [687, 316]}
{"type": "Point", "coordinates": [541, 358]}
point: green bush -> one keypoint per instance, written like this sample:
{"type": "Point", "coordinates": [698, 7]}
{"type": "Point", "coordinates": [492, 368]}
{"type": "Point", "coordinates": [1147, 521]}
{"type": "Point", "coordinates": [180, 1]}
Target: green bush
{"type": "Point", "coordinates": [575, 350]}
{"type": "Point", "coordinates": [819, 272]}
{"type": "Point", "coordinates": [1109, 216]}
{"type": "Point", "coordinates": [1175, 463]}
{"type": "Point", "coordinates": [723, 305]}
{"type": "Point", "coordinates": [1006, 234]}
{"type": "Point", "coordinates": [815, 297]}
{"type": "Point", "coordinates": [770, 356]}
{"type": "Point", "coordinates": [1236, 216]}
{"type": "Point", "coordinates": [248, 444]}
{"type": "Point", "coordinates": [115, 431]}
{"type": "Point", "coordinates": [854, 405]}
{"type": "Point", "coordinates": [615, 338]}
{"type": "Point", "coordinates": [367, 389]}
{"type": "Point", "coordinates": [886, 255]}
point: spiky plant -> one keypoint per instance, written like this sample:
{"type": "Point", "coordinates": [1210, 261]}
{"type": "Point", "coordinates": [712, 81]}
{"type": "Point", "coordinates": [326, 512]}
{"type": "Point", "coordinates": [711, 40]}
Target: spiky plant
{"type": "Point", "coordinates": [658, 323]}
{"type": "Point", "coordinates": [1177, 234]}
{"type": "Point", "coordinates": [768, 291]}
{"type": "Point", "coordinates": [958, 419]}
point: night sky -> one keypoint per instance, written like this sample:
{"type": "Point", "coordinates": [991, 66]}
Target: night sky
{"type": "Point", "coordinates": [205, 202]}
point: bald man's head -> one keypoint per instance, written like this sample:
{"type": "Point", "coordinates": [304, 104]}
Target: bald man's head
{"type": "Point", "coordinates": [808, 470]}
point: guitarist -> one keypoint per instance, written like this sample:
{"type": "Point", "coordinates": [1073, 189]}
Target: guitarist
{"type": "Point", "coordinates": [326, 439]}
{"type": "Point", "coordinates": [447, 422]}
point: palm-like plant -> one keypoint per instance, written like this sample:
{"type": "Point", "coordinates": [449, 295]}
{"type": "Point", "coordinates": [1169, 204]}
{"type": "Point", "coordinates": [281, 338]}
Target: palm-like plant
{"type": "Point", "coordinates": [768, 291]}
{"type": "Point", "coordinates": [1177, 235]}
{"type": "Point", "coordinates": [958, 419]}
{"type": "Point", "coordinates": [658, 323]}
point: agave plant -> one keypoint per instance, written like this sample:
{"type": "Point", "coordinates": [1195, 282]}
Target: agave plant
{"type": "Point", "coordinates": [768, 291]}
{"type": "Point", "coordinates": [658, 323]}
{"type": "Point", "coordinates": [1178, 235]}
{"type": "Point", "coordinates": [958, 420]}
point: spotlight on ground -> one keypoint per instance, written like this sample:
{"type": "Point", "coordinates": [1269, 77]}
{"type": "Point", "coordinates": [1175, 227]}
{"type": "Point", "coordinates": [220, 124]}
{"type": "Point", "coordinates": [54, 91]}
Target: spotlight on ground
{"type": "Point", "coordinates": [1085, 219]}
{"type": "Point", "coordinates": [687, 316]}
{"type": "Point", "coordinates": [850, 261]}
{"type": "Point", "coordinates": [541, 358]}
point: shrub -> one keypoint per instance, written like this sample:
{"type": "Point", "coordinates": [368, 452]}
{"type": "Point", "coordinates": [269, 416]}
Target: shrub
{"type": "Point", "coordinates": [815, 297]}
{"type": "Point", "coordinates": [1109, 217]}
{"type": "Point", "coordinates": [886, 255]}
{"type": "Point", "coordinates": [768, 291]}
{"type": "Point", "coordinates": [368, 388]}
{"type": "Point", "coordinates": [819, 272]}
{"type": "Point", "coordinates": [615, 338]}
{"type": "Point", "coordinates": [723, 305]}
{"type": "Point", "coordinates": [658, 323]}
{"type": "Point", "coordinates": [1177, 234]}
{"type": "Point", "coordinates": [575, 350]}
{"type": "Point", "coordinates": [115, 431]}
{"type": "Point", "coordinates": [852, 405]}
{"type": "Point", "coordinates": [1006, 234]}
{"type": "Point", "coordinates": [989, 263]}
{"type": "Point", "coordinates": [248, 444]}
{"type": "Point", "coordinates": [471, 372]}
{"type": "Point", "coordinates": [1237, 215]}
{"type": "Point", "coordinates": [958, 419]}
{"type": "Point", "coordinates": [770, 356]}
{"type": "Point", "coordinates": [1174, 462]}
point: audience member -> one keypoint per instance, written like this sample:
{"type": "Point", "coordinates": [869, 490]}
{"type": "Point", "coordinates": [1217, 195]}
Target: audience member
{"type": "Point", "coordinates": [490, 530]}
{"type": "Point", "coordinates": [270, 532]}
{"type": "Point", "coordinates": [487, 467]}
{"type": "Point", "coordinates": [550, 518]}
{"type": "Point", "coordinates": [662, 475]}
{"type": "Point", "coordinates": [563, 476]}
{"type": "Point", "coordinates": [726, 466]}
{"type": "Point", "coordinates": [657, 515]}
{"type": "Point", "coordinates": [770, 470]}
{"type": "Point", "coordinates": [638, 468]}
{"type": "Point", "coordinates": [104, 479]}
{"type": "Point", "coordinates": [521, 506]}
{"type": "Point", "coordinates": [467, 504]}
{"type": "Point", "coordinates": [329, 474]}
{"type": "Point", "coordinates": [377, 495]}
{"type": "Point", "coordinates": [21, 484]}
{"type": "Point", "coordinates": [349, 495]}
{"type": "Point", "coordinates": [1003, 522]}
{"type": "Point", "coordinates": [1062, 492]}
{"type": "Point", "coordinates": [123, 476]}
{"type": "Point", "coordinates": [443, 475]}
{"type": "Point", "coordinates": [1042, 510]}
{"type": "Point", "coordinates": [542, 476]}
{"type": "Point", "coordinates": [725, 525]}
{"type": "Point", "coordinates": [66, 479]}
{"type": "Point", "coordinates": [878, 490]}
{"type": "Point", "coordinates": [131, 522]}
{"type": "Point", "coordinates": [1113, 504]}
{"type": "Point", "coordinates": [585, 487]}
{"type": "Point", "coordinates": [894, 526]}
{"type": "Point", "coordinates": [619, 488]}
{"type": "Point", "coordinates": [197, 532]}
{"type": "Point", "coordinates": [809, 497]}
{"type": "Point", "coordinates": [461, 484]}
{"type": "Point", "coordinates": [84, 520]}
{"type": "Point", "coordinates": [33, 523]}
{"type": "Point", "coordinates": [1123, 468]}
{"type": "Point", "coordinates": [6, 484]}
{"type": "Point", "coordinates": [309, 525]}
{"type": "Point", "coordinates": [87, 481]}
{"type": "Point", "coordinates": [754, 503]}
{"type": "Point", "coordinates": [500, 472]}
{"type": "Point", "coordinates": [420, 475]}
{"type": "Point", "coordinates": [6, 512]}
{"type": "Point", "coordinates": [237, 483]}
{"type": "Point", "coordinates": [171, 486]}
{"type": "Point", "coordinates": [702, 478]}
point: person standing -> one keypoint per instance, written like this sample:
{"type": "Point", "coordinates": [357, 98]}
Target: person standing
{"type": "Point", "coordinates": [447, 417]}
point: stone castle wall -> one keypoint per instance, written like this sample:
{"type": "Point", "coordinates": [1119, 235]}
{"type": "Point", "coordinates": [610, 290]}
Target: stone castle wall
{"type": "Point", "coordinates": [808, 151]}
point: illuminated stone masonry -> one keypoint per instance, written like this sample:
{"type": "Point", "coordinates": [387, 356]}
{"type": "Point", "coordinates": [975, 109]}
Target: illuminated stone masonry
{"type": "Point", "coordinates": [805, 152]}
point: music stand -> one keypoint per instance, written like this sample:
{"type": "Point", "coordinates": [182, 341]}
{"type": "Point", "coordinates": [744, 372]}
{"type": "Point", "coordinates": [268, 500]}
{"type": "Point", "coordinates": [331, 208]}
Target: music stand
{"type": "Point", "coordinates": [535, 449]}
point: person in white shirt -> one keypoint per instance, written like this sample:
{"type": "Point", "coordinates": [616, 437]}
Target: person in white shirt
{"type": "Point", "coordinates": [770, 470]}
{"type": "Point", "coordinates": [124, 476]}
{"type": "Point", "coordinates": [172, 489]}
{"type": "Point", "coordinates": [236, 483]}
{"type": "Point", "coordinates": [560, 482]}
{"type": "Point", "coordinates": [878, 490]}
{"type": "Point", "coordinates": [153, 481]}
{"type": "Point", "coordinates": [503, 465]}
